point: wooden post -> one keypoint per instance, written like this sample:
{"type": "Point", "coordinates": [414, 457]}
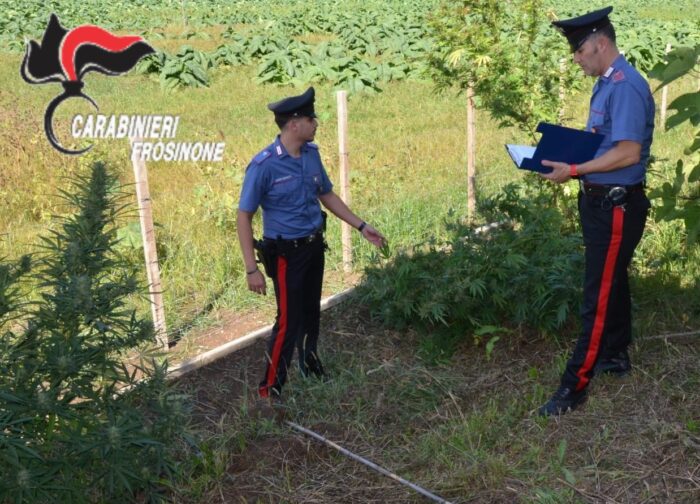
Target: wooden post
{"type": "Point", "coordinates": [562, 90]}
{"type": "Point", "coordinates": [143, 197]}
{"type": "Point", "coordinates": [184, 12]}
{"type": "Point", "coordinates": [664, 97]}
{"type": "Point", "coordinates": [471, 154]}
{"type": "Point", "coordinates": [342, 97]}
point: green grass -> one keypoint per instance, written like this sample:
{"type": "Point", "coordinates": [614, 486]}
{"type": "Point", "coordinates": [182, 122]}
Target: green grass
{"type": "Point", "coordinates": [402, 179]}
{"type": "Point", "coordinates": [464, 428]}
{"type": "Point", "coordinates": [407, 160]}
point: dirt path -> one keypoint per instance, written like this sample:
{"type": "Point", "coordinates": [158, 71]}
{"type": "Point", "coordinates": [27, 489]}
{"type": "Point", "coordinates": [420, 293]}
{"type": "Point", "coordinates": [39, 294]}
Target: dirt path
{"type": "Point", "coordinates": [227, 325]}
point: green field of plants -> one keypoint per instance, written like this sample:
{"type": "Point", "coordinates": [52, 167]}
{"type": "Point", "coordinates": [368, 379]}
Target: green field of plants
{"type": "Point", "coordinates": [215, 59]}
{"type": "Point", "coordinates": [446, 288]}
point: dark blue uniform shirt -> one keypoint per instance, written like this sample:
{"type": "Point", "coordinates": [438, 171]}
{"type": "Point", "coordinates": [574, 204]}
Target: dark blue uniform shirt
{"type": "Point", "coordinates": [622, 108]}
{"type": "Point", "coordinates": [287, 189]}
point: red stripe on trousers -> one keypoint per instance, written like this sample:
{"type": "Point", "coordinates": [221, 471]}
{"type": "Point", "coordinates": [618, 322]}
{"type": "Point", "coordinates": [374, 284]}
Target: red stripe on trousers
{"type": "Point", "coordinates": [603, 297]}
{"type": "Point", "coordinates": [282, 329]}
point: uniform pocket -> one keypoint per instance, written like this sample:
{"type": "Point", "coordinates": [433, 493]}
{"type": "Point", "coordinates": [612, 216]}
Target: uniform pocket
{"type": "Point", "coordinates": [600, 123]}
{"type": "Point", "coordinates": [285, 189]}
{"type": "Point", "coordinates": [313, 183]}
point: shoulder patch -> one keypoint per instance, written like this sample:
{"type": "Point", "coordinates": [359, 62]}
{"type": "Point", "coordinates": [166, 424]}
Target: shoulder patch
{"type": "Point", "coordinates": [618, 76]}
{"type": "Point", "coordinates": [261, 156]}
{"type": "Point", "coordinates": [312, 145]}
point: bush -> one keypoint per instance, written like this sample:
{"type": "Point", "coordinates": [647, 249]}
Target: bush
{"type": "Point", "coordinates": [525, 273]}
{"type": "Point", "coordinates": [68, 433]}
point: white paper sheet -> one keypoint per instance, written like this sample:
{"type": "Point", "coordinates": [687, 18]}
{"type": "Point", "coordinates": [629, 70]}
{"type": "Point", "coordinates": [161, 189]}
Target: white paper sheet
{"type": "Point", "coordinates": [520, 152]}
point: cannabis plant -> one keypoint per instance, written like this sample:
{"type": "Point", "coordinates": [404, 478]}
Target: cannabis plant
{"type": "Point", "coordinates": [85, 413]}
{"type": "Point", "coordinates": [522, 276]}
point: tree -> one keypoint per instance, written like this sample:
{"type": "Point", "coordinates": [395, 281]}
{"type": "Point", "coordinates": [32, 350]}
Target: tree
{"type": "Point", "coordinates": [508, 53]}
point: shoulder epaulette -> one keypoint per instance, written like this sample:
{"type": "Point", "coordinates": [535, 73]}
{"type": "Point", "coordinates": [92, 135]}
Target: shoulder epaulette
{"type": "Point", "coordinates": [312, 145]}
{"type": "Point", "coordinates": [261, 156]}
{"type": "Point", "coordinates": [618, 76]}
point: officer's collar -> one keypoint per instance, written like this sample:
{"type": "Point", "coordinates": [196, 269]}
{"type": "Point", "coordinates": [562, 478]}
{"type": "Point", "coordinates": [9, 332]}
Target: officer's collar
{"type": "Point", "coordinates": [616, 62]}
{"type": "Point", "coordinates": [281, 151]}
{"type": "Point", "coordinates": [279, 148]}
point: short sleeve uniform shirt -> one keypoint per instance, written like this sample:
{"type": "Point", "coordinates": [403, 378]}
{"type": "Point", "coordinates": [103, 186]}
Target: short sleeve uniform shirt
{"type": "Point", "coordinates": [622, 108]}
{"type": "Point", "coordinates": [287, 189]}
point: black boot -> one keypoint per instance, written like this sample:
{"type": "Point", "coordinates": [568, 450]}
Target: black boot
{"type": "Point", "coordinates": [563, 401]}
{"type": "Point", "coordinates": [617, 365]}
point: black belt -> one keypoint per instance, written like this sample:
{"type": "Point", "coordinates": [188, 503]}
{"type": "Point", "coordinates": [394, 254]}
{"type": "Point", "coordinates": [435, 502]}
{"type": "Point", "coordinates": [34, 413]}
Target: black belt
{"type": "Point", "coordinates": [604, 190]}
{"type": "Point", "coordinates": [297, 242]}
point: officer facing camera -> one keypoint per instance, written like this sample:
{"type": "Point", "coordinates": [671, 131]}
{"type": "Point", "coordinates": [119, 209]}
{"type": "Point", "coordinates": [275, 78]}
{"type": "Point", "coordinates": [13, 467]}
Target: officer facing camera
{"type": "Point", "coordinates": [612, 204]}
{"type": "Point", "coordinates": [287, 179]}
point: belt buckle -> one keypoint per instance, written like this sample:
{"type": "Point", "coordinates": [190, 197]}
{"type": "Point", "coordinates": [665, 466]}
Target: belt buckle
{"type": "Point", "coordinates": [617, 195]}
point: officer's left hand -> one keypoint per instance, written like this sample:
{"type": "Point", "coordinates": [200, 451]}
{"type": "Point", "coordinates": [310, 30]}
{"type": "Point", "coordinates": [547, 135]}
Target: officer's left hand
{"type": "Point", "coordinates": [373, 236]}
{"type": "Point", "coordinates": [256, 282]}
{"type": "Point", "coordinates": [561, 172]}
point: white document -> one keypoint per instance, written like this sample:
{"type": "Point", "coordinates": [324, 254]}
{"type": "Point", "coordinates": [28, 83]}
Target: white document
{"type": "Point", "coordinates": [520, 152]}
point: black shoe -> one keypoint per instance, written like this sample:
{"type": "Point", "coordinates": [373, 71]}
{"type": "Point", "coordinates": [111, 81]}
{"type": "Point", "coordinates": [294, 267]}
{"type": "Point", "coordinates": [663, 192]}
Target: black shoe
{"type": "Point", "coordinates": [315, 369]}
{"type": "Point", "coordinates": [319, 374]}
{"type": "Point", "coordinates": [563, 401]}
{"type": "Point", "coordinates": [617, 365]}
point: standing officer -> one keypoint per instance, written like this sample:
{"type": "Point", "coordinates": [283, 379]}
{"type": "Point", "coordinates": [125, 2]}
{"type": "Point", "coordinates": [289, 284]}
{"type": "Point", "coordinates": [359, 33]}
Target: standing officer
{"type": "Point", "coordinates": [612, 204]}
{"type": "Point", "coordinates": [287, 179]}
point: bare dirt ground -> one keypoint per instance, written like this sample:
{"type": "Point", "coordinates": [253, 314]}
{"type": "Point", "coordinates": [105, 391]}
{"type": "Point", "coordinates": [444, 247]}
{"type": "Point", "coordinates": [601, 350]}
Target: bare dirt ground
{"type": "Point", "coordinates": [465, 429]}
{"type": "Point", "coordinates": [226, 325]}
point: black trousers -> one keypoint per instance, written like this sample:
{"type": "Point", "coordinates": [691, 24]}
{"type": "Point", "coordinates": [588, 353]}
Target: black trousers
{"type": "Point", "coordinates": [297, 280]}
{"type": "Point", "coordinates": [610, 236]}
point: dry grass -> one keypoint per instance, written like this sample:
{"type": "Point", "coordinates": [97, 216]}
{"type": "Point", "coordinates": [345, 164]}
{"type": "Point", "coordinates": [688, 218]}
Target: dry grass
{"type": "Point", "coordinates": [466, 430]}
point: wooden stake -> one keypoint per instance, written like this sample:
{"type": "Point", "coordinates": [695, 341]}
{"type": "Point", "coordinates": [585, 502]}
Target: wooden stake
{"type": "Point", "coordinates": [143, 197]}
{"type": "Point", "coordinates": [664, 97]}
{"type": "Point", "coordinates": [184, 12]}
{"type": "Point", "coordinates": [368, 463]}
{"type": "Point", "coordinates": [471, 154]}
{"type": "Point", "coordinates": [562, 90]}
{"type": "Point", "coordinates": [342, 98]}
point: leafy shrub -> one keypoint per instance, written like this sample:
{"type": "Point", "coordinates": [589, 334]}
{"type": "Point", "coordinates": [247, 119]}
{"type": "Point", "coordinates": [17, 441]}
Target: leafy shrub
{"type": "Point", "coordinates": [680, 196]}
{"type": "Point", "coordinates": [189, 67]}
{"type": "Point", "coordinates": [524, 273]}
{"type": "Point", "coordinates": [67, 433]}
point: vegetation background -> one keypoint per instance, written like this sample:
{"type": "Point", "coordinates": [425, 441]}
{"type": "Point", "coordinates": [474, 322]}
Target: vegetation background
{"type": "Point", "coordinates": [457, 417]}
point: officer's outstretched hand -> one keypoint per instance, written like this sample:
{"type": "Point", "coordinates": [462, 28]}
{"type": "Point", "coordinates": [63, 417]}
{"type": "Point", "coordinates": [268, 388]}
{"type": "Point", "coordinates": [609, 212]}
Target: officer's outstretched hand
{"type": "Point", "coordinates": [256, 282]}
{"type": "Point", "coordinates": [373, 236]}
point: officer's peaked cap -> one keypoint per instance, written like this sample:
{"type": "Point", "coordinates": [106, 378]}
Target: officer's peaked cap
{"type": "Point", "coordinates": [295, 106]}
{"type": "Point", "coordinates": [578, 29]}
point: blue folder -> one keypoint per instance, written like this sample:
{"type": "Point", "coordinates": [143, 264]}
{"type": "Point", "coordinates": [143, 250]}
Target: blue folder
{"type": "Point", "coordinates": [558, 143]}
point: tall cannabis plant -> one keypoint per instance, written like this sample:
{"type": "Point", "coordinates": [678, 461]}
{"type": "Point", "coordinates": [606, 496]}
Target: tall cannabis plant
{"type": "Point", "coordinates": [68, 433]}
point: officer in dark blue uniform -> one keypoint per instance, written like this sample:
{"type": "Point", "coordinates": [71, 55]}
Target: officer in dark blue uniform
{"type": "Point", "coordinates": [612, 204]}
{"type": "Point", "coordinates": [287, 179]}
